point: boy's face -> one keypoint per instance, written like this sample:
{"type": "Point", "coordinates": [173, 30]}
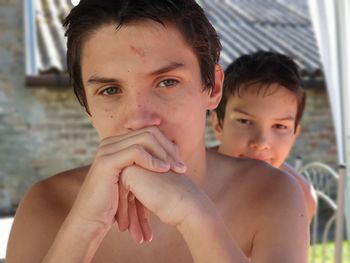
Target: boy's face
{"type": "Point", "coordinates": [145, 74]}
{"type": "Point", "coordinates": [259, 126]}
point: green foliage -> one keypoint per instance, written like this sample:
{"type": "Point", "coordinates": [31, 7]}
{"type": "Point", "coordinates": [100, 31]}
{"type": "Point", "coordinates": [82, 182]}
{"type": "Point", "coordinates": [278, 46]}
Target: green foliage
{"type": "Point", "coordinates": [329, 253]}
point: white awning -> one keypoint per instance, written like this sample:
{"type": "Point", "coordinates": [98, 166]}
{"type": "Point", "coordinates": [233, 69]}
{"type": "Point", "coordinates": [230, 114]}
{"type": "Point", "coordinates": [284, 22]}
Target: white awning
{"type": "Point", "coordinates": [331, 20]}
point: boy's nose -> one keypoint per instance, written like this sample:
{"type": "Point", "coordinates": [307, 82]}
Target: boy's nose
{"type": "Point", "coordinates": [141, 114]}
{"type": "Point", "coordinates": [260, 142]}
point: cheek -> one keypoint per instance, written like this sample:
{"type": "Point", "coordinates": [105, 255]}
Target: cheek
{"type": "Point", "coordinates": [283, 147]}
{"type": "Point", "coordinates": [233, 141]}
{"type": "Point", "coordinates": [286, 146]}
{"type": "Point", "coordinates": [233, 133]}
{"type": "Point", "coordinates": [106, 122]}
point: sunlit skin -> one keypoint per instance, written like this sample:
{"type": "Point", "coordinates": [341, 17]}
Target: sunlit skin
{"type": "Point", "coordinates": [146, 100]}
{"type": "Point", "coordinates": [260, 123]}
{"type": "Point", "coordinates": [259, 126]}
{"type": "Point", "coordinates": [160, 95]}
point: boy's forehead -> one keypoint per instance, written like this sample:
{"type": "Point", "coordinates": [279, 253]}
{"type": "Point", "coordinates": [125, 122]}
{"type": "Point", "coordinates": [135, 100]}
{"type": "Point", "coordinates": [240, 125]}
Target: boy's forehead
{"type": "Point", "coordinates": [136, 35]}
{"type": "Point", "coordinates": [272, 97]}
{"type": "Point", "coordinates": [263, 90]}
{"type": "Point", "coordinates": [259, 88]}
{"type": "Point", "coordinates": [144, 47]}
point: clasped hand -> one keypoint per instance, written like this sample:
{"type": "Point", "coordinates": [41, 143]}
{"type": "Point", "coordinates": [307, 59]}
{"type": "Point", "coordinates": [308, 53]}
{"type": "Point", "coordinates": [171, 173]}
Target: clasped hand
{"type": "Point", "coordinates": [130, 174]}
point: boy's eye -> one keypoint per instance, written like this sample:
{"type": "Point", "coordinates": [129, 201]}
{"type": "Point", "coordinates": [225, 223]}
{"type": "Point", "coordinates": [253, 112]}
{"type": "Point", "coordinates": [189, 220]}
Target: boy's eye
{"type": "Point", "coordinates": [168, 83]}
{"type": "Point", "coordinates": [280, 126]}
{"type": "Point", "coordinates": [110, 91]}
{"type": "Point", "coordinates": [244, 121]}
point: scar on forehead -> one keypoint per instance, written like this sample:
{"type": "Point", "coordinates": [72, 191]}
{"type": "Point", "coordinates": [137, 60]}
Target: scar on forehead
{"type": "Point", "coordinates": [138, 51]}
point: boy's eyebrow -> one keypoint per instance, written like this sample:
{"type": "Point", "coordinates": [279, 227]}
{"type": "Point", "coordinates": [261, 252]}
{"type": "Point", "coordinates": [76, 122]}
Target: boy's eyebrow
{"type": "Point", "coordinates": [102, 80]}
{"type": "Point", "coordinates": [243, 112]}
{"type": "Point", "coordinates": [287, 118]}
{"type": "Point", "coordinates": [171, 66]}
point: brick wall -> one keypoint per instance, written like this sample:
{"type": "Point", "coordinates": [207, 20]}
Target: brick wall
{"type": "Point", "coordinates": [44, 131]}
{"type": "Point", "coordinates": [317, 139]}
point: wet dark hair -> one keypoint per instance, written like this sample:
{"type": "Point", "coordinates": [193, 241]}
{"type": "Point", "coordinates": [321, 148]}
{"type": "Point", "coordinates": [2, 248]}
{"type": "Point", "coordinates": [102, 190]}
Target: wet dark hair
{"type": "Point", "coordinates": [89, 15]}
{"type": "Point", "coordinates": [265, 68]}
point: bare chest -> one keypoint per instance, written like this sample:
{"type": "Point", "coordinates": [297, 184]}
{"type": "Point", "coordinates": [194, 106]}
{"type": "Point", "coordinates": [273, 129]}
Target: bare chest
{"type": "Point", "coordinates": [167, 245]}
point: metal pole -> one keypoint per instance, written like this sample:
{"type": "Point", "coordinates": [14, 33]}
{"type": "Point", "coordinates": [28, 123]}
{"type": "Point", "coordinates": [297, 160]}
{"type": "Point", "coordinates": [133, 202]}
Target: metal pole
{"type": "Point", "coordinates": [339, 216]}
{"type": "Point", "coordinates": [343, 39]}
{"type": "Point", "coordinates": [30, 37]}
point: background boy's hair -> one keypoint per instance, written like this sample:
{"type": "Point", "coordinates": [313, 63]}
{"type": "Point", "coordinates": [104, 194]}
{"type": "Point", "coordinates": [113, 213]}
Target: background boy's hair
{"type": "Point", "coordinates": [89, 15]}
{"type": "Point", "coordinates": [265, 68]}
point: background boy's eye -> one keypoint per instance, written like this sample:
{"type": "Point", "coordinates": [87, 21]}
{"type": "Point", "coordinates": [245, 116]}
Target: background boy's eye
{"type": "Point", "coordinates": [280, 126]}
{"type": "Point", "coordinates": [110, 91]}
{"type": "Point", "coordinates": [168, 83]}
{"type": "Point", "coordinates": [244, 121]}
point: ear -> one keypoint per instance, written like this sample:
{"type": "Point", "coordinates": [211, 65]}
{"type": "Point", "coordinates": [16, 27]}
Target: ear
{"type": "Point", "coordinates": [216, 125]}
{"type": "Point", "coordinates": [216, 92]}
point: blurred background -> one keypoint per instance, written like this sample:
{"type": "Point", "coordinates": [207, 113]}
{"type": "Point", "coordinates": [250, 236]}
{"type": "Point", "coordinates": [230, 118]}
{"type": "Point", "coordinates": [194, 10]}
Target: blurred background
{"type": "Point", "coordinates": [44, 130]}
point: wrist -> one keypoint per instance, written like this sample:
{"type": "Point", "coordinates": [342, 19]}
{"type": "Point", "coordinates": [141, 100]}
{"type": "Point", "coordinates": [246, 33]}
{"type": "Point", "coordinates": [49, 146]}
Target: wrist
{"type": "Point", "coordinates": [202, 213]}
{"type": "Point", "coordinates": [76, 223]}
{"type": "Point", "coordinates": [76, 241]}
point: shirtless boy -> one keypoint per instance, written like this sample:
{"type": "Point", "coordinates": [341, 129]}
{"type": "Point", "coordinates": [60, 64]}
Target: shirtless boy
{"type": "Point", "coordinates": [147, 72]}
{"type": "Point", "coordinates": [259, 114]}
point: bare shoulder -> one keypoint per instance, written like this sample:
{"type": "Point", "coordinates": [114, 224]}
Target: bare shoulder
{"type": "Point", "coordinates": [254, 174]}
{"type": "Point", "coordinates": [262, 203]}
{"type": "Point", "coordinates": [57, 192]}
{"type": "Point", "coordinates": [308, 190]}
{"type": "Point", "coordinates": [274, 187]}
{"type": "Point", "coordinates": [305, 185]}
{"type": "Point", "coordinates": [282, 219]}
{"type": "Point", "coordinates": [257, 182]}
{"type": "Point", "coordinates": [41, 213]}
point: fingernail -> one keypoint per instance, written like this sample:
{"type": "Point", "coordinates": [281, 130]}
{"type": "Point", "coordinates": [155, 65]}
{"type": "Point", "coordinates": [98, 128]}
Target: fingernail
{"type": "Point", "coordinates": [150, 238]}
{"type": "Point", "coordinates": [141, 241]}
{"type": "Point", "coordinates": [164, 165]}
{"type": "Point", "coordinates": [180, 165]}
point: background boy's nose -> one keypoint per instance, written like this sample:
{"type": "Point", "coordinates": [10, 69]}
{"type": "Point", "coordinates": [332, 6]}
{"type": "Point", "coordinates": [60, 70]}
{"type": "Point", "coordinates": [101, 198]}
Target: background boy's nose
{"type": "Point", "coordinates": [260, 142]}
{"type": "Point", "coordinates": [140, 116]}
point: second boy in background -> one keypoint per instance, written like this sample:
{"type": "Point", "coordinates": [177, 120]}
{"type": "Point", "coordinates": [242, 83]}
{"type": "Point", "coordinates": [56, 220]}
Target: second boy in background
{"type": "Point", "coordinates": [260, 111]}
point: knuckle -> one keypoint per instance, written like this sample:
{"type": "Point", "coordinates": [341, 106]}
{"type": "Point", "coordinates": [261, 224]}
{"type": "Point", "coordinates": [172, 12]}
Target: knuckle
{"type": "Point", "coordinates": [143, 157]}
{"type": "Point", "coordinates": [138, 150]}
{"type": "Point", "coordinates": [147, 136]}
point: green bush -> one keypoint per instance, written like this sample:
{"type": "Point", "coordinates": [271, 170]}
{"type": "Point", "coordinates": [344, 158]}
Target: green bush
{"type": "Point", "coordinates": [329, 253]}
